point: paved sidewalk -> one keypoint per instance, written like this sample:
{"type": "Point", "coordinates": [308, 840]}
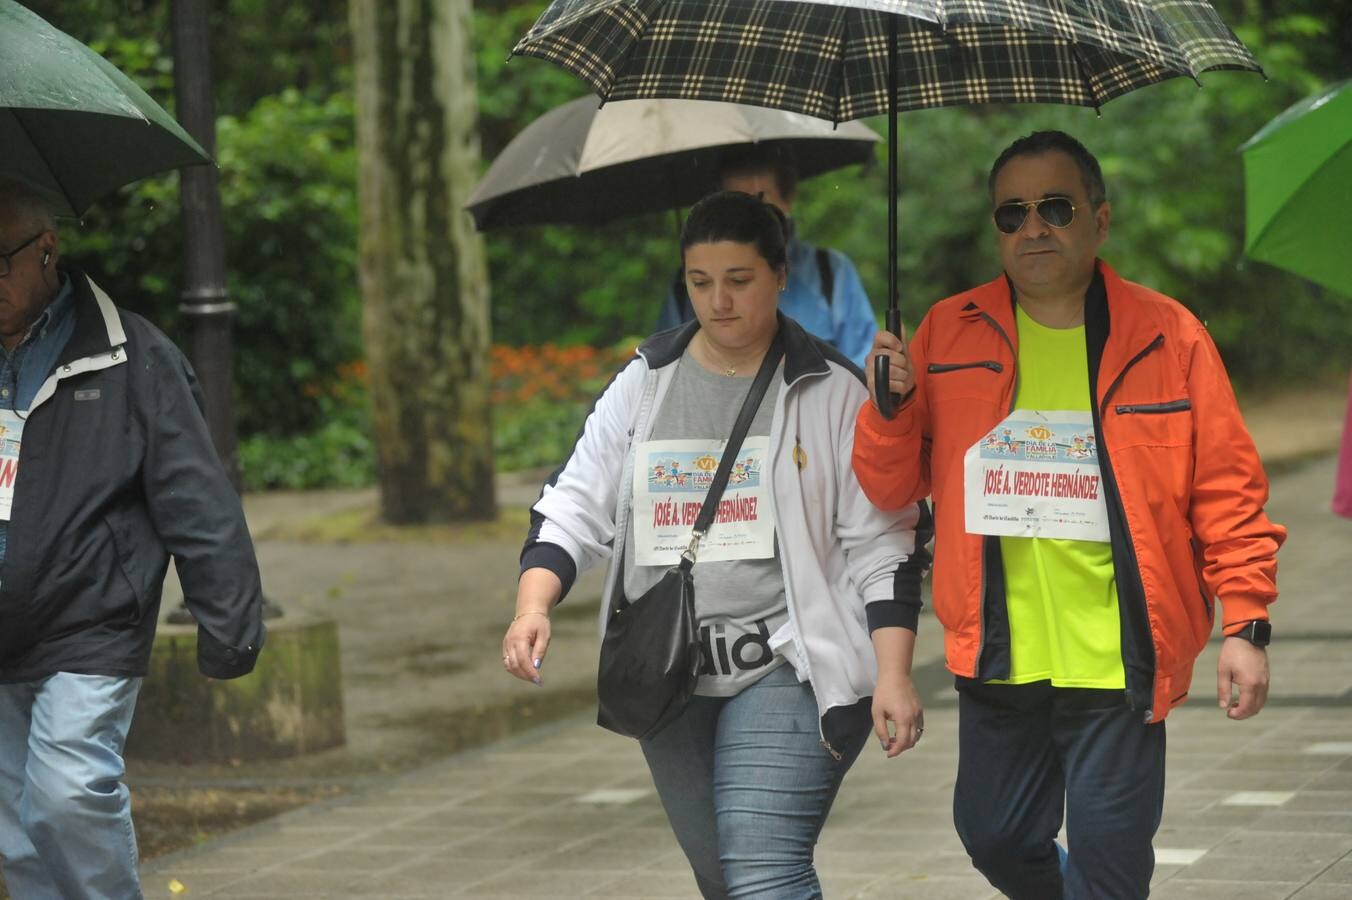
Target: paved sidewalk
{"type": "Point", "coordinates": [1254, 810]}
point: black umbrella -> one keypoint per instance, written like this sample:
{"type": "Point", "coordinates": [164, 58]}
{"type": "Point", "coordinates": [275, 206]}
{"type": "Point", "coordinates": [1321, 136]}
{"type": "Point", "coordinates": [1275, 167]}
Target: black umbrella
{"type": "Point", "coordinates": [582, 165]}
{"type": "Point", "coordinates": [846, 59]}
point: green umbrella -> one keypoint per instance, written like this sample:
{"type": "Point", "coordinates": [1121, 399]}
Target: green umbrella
{"type": "Point", "coordinates": [71, 124]}
{"type": "Point", "coordinates": [1297, 182]}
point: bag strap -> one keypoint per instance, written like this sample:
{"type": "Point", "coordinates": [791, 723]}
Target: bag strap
{"type": "Point", "coordinates": [744, 419]}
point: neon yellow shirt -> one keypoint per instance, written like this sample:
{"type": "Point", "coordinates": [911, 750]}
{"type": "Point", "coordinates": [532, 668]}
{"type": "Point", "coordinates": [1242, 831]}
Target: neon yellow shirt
{"type": "Point", "coordinates": [1061, 594]}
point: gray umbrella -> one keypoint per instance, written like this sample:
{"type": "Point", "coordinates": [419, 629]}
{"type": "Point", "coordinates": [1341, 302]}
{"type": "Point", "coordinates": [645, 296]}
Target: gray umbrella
{"type": "Point", "coordinates": [584, 165]}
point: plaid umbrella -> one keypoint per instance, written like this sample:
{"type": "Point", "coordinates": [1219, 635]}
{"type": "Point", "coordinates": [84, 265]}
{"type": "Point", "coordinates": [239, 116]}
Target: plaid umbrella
{"type": "Point", "coordinates": [846, 59]}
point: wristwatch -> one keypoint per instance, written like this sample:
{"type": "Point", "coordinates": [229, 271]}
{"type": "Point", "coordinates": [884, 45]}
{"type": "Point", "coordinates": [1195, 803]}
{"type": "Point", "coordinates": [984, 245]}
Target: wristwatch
{"type": "Point", "coordinates": [1257, 632]}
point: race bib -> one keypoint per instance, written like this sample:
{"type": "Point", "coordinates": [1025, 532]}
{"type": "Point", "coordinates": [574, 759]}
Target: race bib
{"type": "Point", "coordinates": [11, 436]}
{"type": "Point", "coordinates": [671, 480]}
{"type": "Point", "coordinates": [1036, 474]}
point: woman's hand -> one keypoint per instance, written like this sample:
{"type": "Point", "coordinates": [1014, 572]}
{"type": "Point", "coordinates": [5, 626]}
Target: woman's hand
{"type": "Point", "coordinates": [895, 700]}
{"type": "Point", "coordinates": [527, 639]}
{"type": "Point", "coordinates": [894, 696]}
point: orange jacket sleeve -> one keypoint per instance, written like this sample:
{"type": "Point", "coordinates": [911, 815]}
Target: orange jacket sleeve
{"type": "Point", "coordinates": [1236, 541]}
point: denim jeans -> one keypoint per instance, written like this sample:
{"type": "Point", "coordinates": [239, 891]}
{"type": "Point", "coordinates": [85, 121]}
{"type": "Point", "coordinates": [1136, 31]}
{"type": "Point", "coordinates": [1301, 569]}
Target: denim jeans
{"type": "Point", "coordinates": [65, 816]}
{"type": "Point", "coordinates": [1029, 753]}
{"type": "Point", "coordinates": [746, 785]}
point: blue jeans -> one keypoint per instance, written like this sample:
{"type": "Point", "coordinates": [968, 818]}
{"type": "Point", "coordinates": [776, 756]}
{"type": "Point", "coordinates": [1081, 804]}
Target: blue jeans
{"type": "Point", "coordinates": [65, 816]}
{"type": "Point", "coordinates": [747, 785]}
{"type": "Point", "coordinates": [1029, 754]}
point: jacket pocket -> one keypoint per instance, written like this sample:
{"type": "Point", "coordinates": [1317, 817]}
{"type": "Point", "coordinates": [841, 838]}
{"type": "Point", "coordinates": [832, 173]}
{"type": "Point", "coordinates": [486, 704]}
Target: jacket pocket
{"type": "Point", "coordinates": [941, 368]}
{"type": "Point", "coordinates": [1166, 424]}
{"type": "Point", "coordinates": [1171, 406]}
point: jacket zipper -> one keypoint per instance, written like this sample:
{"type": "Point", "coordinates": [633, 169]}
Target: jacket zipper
{"type": "Point", "coordinates": [776, 444]}
{"type": "Point", "coordinates": [1154, 408]}
{"type": "Point", "coordinates": [1130, 545]}
{"type": "Point", "coordinates": [939, 368]}
{"type": "Point", "coordinates": [1013, 396]}
{"type": "Point", "coordinates": [1154, 345]}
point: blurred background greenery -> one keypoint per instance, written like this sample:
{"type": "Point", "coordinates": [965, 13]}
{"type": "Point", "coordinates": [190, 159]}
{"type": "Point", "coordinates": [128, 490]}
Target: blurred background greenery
{"type": "Point", "coordinates": [288, 183]}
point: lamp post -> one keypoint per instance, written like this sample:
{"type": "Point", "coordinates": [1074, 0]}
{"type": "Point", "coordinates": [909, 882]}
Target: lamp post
{"type": "Point", "coordinates": [208, 312]}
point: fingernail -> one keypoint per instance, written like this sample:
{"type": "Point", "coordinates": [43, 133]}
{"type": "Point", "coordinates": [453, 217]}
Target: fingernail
{"type": "Point", "coordinates": [536, 682]}
{"type": "Point", "coordinates": [537, 663]}
{"type": "Point", "coordinates": [882, 743]}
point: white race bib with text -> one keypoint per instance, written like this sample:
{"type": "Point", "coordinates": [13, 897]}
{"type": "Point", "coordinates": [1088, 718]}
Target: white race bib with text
{"type": "Point", "coordinates": [671, 479]}
{"type": "Point", "coordinates": [1036, 475]}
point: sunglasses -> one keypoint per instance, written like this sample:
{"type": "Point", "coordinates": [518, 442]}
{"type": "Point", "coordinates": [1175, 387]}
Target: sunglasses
{"type": "Point", "coordinates": [1058, 212]}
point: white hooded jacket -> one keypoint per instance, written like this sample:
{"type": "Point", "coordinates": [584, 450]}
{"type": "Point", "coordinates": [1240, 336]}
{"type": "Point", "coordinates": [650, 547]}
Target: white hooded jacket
{"type": "Point", "coordinates": [848, 567]}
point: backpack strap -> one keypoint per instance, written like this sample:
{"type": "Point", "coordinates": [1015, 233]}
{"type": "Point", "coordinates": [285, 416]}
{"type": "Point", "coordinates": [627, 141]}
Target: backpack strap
{"type": "Point", "coordinates": [824, 271]}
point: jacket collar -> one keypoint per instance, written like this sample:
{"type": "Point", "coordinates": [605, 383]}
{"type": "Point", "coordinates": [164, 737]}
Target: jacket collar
{"type": "Point", "coordinates": [803, 354]}
{"type": "Point", "coordinates": [98, 327]}
{"type": "Point", "coordinates": [1132, 320]}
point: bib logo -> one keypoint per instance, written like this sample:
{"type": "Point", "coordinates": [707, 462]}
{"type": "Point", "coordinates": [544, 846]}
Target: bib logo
{"type": "Point", "coordinates": [750, 651]}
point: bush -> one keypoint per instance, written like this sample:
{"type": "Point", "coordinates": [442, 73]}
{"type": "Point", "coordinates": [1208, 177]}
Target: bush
{"type": "Point", "coordinates": [339, 453]}
{"type": "Point", "coordinates": [541, 396]}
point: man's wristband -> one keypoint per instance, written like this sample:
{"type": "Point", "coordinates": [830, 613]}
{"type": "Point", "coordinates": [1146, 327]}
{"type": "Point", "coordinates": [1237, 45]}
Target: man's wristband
{"type": "Point", "coordinates": [1257, 632]}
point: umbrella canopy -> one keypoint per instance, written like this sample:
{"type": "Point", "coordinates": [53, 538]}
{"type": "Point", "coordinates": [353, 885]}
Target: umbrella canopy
{"type": "Point", "coordinates": [71, 124]}
{"type": "Point", "coordinates": [587, 164]}
{"type": "Point", "coordinates": [1297, 181]}
{"type": "Point", "coordinates": [830, 58]}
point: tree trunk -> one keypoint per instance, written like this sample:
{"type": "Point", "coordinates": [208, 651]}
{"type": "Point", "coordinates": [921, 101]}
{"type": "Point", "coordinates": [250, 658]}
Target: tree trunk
{"type": "Point", "coordinates": [423, 274]}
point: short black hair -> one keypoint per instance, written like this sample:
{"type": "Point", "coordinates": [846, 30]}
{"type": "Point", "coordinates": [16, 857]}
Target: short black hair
{"type": "Point", "coordinates": [1040, 142]}
{"type": "Point", "coordinates": [776, 158]}
{"type": "Point", "coordinates": [742, 219]}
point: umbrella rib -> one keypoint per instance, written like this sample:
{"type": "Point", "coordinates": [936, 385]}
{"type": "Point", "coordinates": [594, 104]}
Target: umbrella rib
{"type": "Point", "coordinates": [1084, 77]}
{"type": "Point", "coordinates": [70, 201]}
{"type": "Point", "coordinates": [840, 66]}
{"type": "Point", "coordinates": [622, 62]}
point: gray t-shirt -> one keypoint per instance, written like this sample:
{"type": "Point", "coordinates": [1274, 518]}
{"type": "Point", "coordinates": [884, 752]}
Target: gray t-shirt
{"type": "Point", "coordinates": [738, 603]}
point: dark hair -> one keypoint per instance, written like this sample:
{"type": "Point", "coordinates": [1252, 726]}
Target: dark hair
{"type": "Point", "coordinates": [1040, 142]}
{"type": "Point", "coordinates": [742, 219]}
{"type": "Point", "coordinates": [778, 159]}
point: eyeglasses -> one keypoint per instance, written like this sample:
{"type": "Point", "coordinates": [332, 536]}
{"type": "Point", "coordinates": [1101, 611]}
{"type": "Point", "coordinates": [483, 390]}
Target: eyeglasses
{"type": "Point", "coordinates": [1058, 212]}
{"type": "Point", "coordinates": [6, 262]}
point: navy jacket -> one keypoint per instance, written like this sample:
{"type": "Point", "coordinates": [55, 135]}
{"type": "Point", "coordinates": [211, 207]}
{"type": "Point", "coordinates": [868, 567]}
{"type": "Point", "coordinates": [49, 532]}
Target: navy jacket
{"type": "Point", "coordinates": [116, 473]}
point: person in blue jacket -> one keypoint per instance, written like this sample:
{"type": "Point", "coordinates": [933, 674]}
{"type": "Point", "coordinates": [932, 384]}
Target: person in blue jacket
{"type": "Point", "coordinates": [824, 293]}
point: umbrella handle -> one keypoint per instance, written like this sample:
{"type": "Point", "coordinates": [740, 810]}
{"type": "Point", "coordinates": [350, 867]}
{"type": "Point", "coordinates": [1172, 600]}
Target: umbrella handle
{"type": "Point", "coordinates": [885, 400]}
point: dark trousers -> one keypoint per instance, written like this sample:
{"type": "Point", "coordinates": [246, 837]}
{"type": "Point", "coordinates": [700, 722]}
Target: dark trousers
{"type": "Point", "coordinates": [1029, 754]}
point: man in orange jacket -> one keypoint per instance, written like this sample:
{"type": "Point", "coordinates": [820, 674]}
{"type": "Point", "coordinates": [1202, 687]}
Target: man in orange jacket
{"type": "Point", "coordinates": [1096, 492]}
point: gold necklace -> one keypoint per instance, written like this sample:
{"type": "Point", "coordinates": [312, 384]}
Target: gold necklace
{"type": "Point", "coordinates": [728, 371]}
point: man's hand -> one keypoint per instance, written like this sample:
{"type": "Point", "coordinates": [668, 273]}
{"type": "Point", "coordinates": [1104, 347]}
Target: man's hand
{"type": "Point", "coordinates": [1242, 666]}
{"type": "Point", "coordinates": [900, 378]}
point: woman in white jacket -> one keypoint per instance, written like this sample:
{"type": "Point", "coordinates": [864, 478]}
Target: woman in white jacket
{"type": "Point", "coordinates": [807, 597]}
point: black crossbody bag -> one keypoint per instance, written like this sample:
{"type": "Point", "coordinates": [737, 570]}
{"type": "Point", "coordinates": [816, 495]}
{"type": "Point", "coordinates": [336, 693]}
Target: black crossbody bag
{"type": "Point", "coordinates": [650, 655]}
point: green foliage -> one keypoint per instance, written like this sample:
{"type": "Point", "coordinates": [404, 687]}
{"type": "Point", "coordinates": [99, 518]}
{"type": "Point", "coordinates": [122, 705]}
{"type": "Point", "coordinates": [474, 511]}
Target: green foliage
{"type": "Point", "coordinates": [535, 434]}
{"type": "Point", "coordinates": [337, 453]}
{"type": "Point", "coordinates": [288, 192]}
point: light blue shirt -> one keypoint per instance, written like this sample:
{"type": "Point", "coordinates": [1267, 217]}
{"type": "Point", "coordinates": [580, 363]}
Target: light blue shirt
{"type": "Point", "coordinates": [23, 371]}
{"type": "Point", "coordinates": [847, 322]}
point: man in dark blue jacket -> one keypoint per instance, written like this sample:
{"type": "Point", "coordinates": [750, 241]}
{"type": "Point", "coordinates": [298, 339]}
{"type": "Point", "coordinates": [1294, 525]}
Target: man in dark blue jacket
{"type": "Point", "coordinates": [106, 470]}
